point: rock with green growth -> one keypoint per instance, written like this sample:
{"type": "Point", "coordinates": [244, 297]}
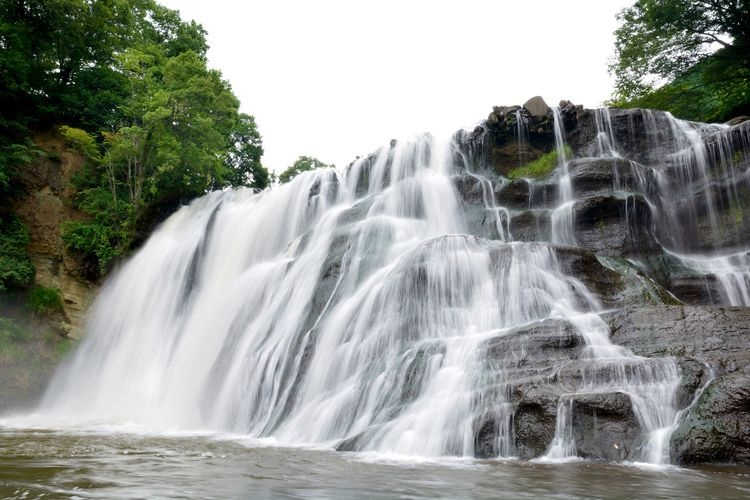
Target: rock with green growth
{"type": "Point", "coordinates": [42, 300]}
{"type": "Point", "coordinates": [541, 167]}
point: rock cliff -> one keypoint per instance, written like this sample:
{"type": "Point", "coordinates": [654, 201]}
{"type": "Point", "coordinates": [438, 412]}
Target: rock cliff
{"type": "Point", "coordinates": [47, 202]}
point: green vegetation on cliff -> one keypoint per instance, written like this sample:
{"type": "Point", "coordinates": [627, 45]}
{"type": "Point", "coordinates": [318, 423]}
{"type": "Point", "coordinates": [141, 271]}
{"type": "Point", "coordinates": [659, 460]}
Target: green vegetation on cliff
{"type": "Point", "coordinates": [128, 85]}
{"type": "Point", "coordinates": [16, 270]}
{"type": "Point", "coordinates": [690, 58]}
{"type": "Point", "coordinates": [541, 167]}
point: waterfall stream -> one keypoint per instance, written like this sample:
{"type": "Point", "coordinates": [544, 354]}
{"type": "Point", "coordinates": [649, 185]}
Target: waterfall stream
{"type": "Point", "coordinates": [355, 309]}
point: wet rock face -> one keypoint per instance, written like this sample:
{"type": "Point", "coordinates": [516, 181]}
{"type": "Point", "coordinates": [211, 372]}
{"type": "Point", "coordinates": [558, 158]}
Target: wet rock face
{"type": "Point", "coordinates": [710, 344]}
{"type": "Point", "coordinates": [615, 225]}
{"type": "Point", "coordinates": [605, 426]}
{"type": "Point", "coordinates": [717, 430]}
{"type": "Point", "coordinates": [534, 423]}
{"type": "Point", "coordinates": [623, 220]}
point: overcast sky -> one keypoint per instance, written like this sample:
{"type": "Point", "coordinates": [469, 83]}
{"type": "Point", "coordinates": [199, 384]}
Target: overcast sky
{"type": "Point", "coordinates": [335, 78]}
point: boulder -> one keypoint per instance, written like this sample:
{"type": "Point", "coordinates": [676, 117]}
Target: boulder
{"type": "Point", "coordinates": [536, 106]}
{"type": "Point", "coordinates": [534, 422]}
{"type": "Point", "coordinates": [605, 426]}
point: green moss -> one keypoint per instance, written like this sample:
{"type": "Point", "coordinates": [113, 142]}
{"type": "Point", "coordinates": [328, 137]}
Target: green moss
{"type": "Point", "coordinates": [541, 167]}
{"type": "Point", "coordinates": [42, 300]}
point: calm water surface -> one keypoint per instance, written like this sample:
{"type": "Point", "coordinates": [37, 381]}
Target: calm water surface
{"type": "Point", "coordinates": [116, 464]}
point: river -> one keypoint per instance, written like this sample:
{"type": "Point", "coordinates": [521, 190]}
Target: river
{"type": "Point", "coordinates": [124, 462]}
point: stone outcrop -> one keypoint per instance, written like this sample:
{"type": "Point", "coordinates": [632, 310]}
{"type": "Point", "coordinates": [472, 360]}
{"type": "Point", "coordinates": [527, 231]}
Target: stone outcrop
{"type": "Point", "coordinates": [622, 224]}
{"type": "Point", "coordinates": [536, 106]}
{"type": "Point", "coordinates": [711, 344]}
{"type": "Point", "coordinates": [46, 204]}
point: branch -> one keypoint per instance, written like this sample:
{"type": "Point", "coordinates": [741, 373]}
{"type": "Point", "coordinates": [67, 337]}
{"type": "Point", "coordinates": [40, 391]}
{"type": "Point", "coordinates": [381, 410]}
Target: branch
{"type": "Point", "coordinates": [715, 39]}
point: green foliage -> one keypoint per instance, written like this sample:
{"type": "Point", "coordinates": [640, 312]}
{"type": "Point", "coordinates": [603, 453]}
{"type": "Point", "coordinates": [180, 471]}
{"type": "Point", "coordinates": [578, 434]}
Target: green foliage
{"type": "Point", "coordinates": [42, 300]}
{"type": "Point", "coordinates": [11, 157]}
{"type": "Point", "coordinates": [81, 141]}
{"type": "Point", "coordinates": [16, 270]}
{"type": "Point", "coordinates": [243, 158]}
{"type": "Point", "coordinates": [541, 167]}
{"type": "Point", "coordinates": [690, 58]}
{"type": "Point", "coordinates": [302, 164]}
{"type": "Point", "coordinates": [129, 80]}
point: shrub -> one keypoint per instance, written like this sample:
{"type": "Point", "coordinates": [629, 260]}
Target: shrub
{"type": "Point", "coordinates": [16, 269]}
{"type": "Point", "coordinates": [42, 300]}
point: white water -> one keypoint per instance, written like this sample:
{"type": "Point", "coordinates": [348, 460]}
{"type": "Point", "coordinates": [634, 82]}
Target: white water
{"type": "Point", "coordinates": [350, 309]}
{"type": "Point", "coordinates": [563, 231]}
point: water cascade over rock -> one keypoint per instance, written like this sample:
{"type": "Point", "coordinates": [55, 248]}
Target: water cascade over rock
{"type": "Point", "coordinates": [422, 302]}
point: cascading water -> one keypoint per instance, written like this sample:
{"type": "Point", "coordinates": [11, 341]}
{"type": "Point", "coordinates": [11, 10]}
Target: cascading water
{"type": "Point", "coordinates": [562, 217]}
{"type": "Point", "coordinates": [696, 176]}
{"type": "Point", "coordinates": [354, 309]}
{"type": "Point", "coordinates": [521, 136]}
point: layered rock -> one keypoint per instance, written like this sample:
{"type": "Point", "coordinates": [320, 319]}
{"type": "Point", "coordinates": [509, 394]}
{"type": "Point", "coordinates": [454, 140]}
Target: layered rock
{"type": "Point", "coordinates": [711, 346]}
{"type": "Point", "coordinates": [45, 205]}
{"type": "Point", "coordinates": [638, 206]}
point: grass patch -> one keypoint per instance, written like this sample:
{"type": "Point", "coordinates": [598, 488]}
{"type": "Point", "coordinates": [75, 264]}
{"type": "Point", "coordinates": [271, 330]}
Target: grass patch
{"type": "Point", "coordinates": [42, 300]}
{"type": "Point", "coordinates": [541, 167]}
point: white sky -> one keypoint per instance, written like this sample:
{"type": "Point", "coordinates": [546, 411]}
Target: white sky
{"type": "Point", "coordinates": [335, 78]}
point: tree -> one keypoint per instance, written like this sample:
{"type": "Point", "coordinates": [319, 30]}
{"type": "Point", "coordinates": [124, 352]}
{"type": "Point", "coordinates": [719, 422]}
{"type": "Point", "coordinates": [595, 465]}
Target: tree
{"type": "Point", "coordinates": [681, 52]}
{"type": "Point", "coordinates": [302, 164]}
{"type": "Point", "coordinates": [129, 82]}
{"type": "Point", "coordinates": [243, 158]}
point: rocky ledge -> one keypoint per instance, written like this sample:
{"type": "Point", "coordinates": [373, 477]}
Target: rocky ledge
{"type": "Point", "coordinates": [711, 347]}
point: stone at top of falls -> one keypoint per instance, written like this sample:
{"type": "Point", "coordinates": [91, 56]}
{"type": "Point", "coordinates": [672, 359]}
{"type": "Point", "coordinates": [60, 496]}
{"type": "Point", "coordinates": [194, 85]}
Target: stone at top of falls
{"type": "Point", "coordinates": [536, 106]}
{"type": "Point", "coordinates": [737, 120]}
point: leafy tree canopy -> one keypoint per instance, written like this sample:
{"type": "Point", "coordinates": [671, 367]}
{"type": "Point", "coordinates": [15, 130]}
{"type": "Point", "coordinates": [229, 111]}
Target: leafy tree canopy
{"type": "Point", "coordinates": [302, 164]}
{"type": "Point", "coordinates": [129, 82]}
{"type": "Point", "coordinates": [690, 57]}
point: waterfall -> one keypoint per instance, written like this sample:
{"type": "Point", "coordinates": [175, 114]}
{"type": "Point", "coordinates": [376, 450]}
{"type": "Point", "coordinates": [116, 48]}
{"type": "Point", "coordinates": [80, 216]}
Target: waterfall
{"type": "Point", "coordinates": [563, 231]}
{"type": "Point", "coordinates": [355, 309]}
{"type": "Point", "coordinates": [694, 178]}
